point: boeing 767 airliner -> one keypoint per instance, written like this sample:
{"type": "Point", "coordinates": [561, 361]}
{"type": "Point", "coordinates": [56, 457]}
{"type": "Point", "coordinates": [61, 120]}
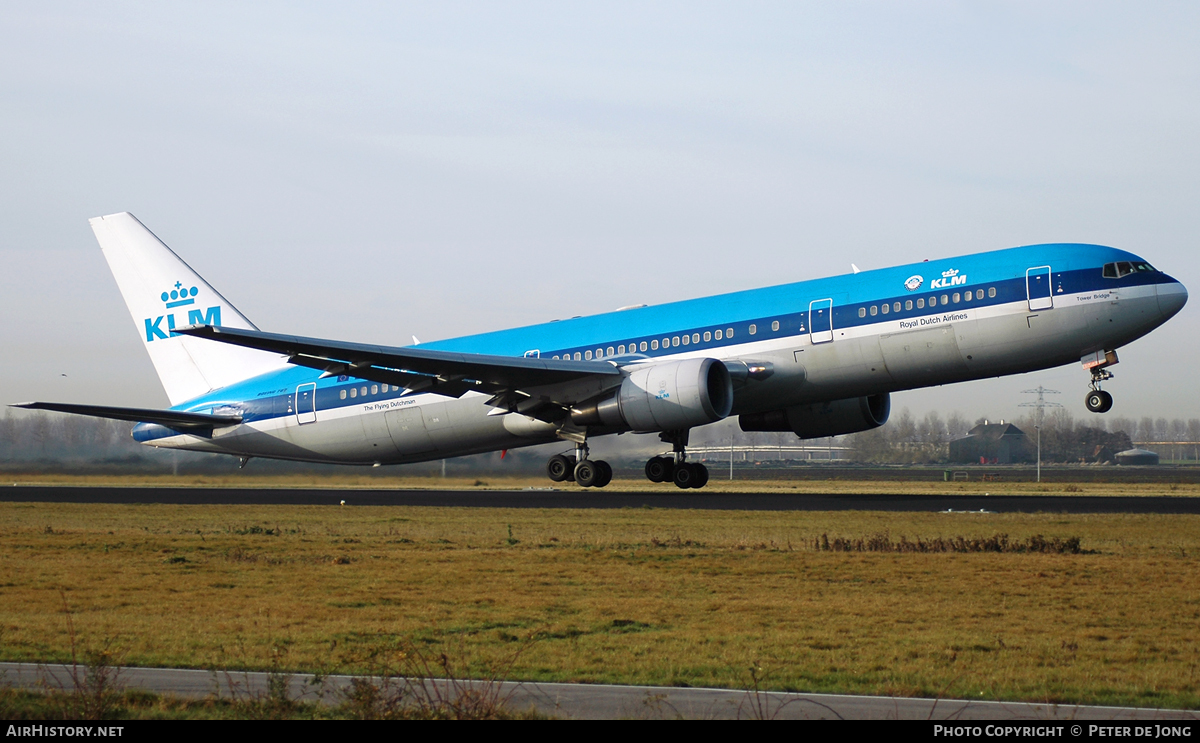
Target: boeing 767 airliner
{"type": "Point", "coordinates": [817, 358]}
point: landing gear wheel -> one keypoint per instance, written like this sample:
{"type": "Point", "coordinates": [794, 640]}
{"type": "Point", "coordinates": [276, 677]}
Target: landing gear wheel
{"type": "Point", "coordinates": [587, 473]}
{"type": "Point", "coordinates": [701, 476]}
{"type": "Point", "coordinates": [659, 469]}
{"type": "Point", "coordinates": [559, 467]}
{"type": "Point", "coordinates": [686, 476]}
{"type": "Point", "coordinates": [605, 474]}
{"type": "Point", "coordinates": [1098, 401]}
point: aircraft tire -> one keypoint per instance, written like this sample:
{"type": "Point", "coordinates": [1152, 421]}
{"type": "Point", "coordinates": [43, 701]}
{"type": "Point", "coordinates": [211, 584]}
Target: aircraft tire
{"type": "Point", "coordinates": [587, 473]}
{"type": "Point", "coordinates": [685, 476]}
{"type": "Point", "coordinates": [701, 476]}
{"type": "Point", "coordinates": [659, 469]}
{"type": "Point", "coordinates": [559, 467]}
{"type": "Point", "coordinates": [1098, 401]}
{"type": "Point", "coordinates": [606, 474]}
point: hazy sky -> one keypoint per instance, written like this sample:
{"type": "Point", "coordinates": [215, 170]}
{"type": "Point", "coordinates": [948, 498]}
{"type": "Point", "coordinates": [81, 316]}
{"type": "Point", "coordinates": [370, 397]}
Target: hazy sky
{"type": "Point", "coordinates": [370, 172]}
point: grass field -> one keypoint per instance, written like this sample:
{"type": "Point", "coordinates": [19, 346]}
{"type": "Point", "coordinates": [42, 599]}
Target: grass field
{"type": "Point", "coordinates": [628, 596]}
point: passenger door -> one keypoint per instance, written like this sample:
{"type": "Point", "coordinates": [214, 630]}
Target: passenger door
{"type": "Point", "coordinates": [306, 403]}
{"type": "Point", "coordinates": [820, 320]}
{"type": "Point", "coordinates": [1038, 290]}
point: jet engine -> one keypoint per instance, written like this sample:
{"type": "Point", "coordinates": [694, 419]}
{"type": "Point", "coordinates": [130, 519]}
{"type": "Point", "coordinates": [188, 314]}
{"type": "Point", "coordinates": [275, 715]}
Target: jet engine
{"type": "Point", "coordinates": [817, 420]}
{"type": "Point", "coordinates": [663, 397]}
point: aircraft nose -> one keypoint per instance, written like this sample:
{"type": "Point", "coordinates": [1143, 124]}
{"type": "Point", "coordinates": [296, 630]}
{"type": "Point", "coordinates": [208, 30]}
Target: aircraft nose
{"type": "Point", "coordinates": [1171, 298]}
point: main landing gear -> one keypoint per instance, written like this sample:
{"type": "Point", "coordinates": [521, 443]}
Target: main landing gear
{"type": "Point", "coordinates": [579, 469]}
{"type": "Point", "coordinates": [1097, 400]}
{"type": "Point", "coordinates": [674, 468]}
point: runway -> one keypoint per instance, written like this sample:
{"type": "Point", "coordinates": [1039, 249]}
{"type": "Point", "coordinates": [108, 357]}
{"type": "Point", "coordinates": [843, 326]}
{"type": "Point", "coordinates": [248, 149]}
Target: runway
{"type": "Point", "coordinates": [597, 701]}
{"type": "Point", "coordinates": [602, 500]}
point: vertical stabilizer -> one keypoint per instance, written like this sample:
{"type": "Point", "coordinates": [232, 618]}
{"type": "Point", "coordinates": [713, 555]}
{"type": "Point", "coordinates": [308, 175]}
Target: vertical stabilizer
{"type": "Point", "coordinates": [163, 293]}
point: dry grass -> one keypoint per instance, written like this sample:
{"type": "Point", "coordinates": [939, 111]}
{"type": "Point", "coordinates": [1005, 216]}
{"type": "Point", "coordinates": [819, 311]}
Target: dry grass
{"type": "Point", "coordinates": [632, 596]}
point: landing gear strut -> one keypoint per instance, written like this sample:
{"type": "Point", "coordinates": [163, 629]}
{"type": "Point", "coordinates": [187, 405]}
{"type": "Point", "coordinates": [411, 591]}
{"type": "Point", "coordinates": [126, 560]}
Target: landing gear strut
{"type": "Point", "coordinates": [675, 468]}
{"type": "Point", "coordinates": [579, 469]}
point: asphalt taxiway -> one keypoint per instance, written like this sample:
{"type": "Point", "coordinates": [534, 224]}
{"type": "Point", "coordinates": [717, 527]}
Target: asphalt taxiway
{"type": "Point", "coordinates": [578, 498]}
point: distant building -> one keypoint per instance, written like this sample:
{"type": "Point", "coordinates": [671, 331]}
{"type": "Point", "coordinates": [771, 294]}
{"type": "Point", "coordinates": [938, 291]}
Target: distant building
{"type": "Point", "coordinates": [993, 443]}
{"type": "Point", "coordinates": [1137, 456]}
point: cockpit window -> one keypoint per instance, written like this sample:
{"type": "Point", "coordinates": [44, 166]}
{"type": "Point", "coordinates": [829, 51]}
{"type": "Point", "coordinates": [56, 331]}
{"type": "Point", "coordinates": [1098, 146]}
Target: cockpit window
{"type": "Point", "coordinates": [1121, 269]}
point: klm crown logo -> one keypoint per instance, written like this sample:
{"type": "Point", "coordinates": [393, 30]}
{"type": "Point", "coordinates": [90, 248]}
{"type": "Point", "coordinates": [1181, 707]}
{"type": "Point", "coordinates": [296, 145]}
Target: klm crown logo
{"type": "Point", "coordinates": [179, 296]}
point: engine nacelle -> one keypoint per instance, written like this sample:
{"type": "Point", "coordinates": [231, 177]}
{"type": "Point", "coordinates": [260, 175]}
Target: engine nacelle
{"type": "Point", "coordinates": [663, 397]}
{"type": "Point", "coordinates": [821, 419]}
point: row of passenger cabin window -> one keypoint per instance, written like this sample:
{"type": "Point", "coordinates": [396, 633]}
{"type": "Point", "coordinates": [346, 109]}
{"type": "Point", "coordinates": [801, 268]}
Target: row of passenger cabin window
{"type": "Point", "coordinates": [954, 298]}
{"type": "Point", "coordinates": [667, 342]}
{"type": "Point", "coordinates": [375, 389]}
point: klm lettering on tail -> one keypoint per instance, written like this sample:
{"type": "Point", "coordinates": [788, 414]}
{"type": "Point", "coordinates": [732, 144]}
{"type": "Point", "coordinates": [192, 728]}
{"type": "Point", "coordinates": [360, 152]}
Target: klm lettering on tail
{"type": "Point", "coordinates": [154, 329]}
{"type": "Point", "coordinates": [174, 298]}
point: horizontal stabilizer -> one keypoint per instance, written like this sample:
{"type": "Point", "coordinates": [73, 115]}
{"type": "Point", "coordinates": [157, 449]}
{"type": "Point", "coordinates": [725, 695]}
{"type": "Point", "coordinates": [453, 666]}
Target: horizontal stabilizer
{"type": "Point", "coordinates": [176, 419]}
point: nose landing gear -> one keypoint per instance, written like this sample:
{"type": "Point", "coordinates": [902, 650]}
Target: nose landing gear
{"type": "Point", "coordinates": [1097, 400]}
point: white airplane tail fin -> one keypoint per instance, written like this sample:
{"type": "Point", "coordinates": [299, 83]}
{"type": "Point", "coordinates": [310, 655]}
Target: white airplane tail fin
{"type": "Point", "coordinates": [164, 293]}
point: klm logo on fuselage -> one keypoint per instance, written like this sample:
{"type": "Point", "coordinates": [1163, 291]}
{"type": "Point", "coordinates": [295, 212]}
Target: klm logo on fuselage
{"type": "Point", "coordinates": [949, 278]}
{"type": "Point", "coordinates": [179, 297]}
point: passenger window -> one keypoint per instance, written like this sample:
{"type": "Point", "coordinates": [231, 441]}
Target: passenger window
{"type": "Point", "coordinates": [686, 340]}
{"type": "Point", "coordinates": [654, 344]}
{"type": "Point", "coordinates": [342, 394]}
{"type": "Point", "coordinates": [774, 325]}
{"type": "Point", "coordinates": [587, 355]}
{"type": "Point", "coordinates": [556, 357]}
{"type": "Point", "coordinates": [967, 296]}
{"type": "Point", "coordinates": [753, 329]}
{"type": "Point", "coordinates": [921, 303]}
{"type": "Point", "coordinates": [885, 308]}
{"type": "Point", "coordinates": [945, 299]}
{"type": "Point", "coordinates": [956, 296]}
{"type": "Point", "coordinates": [707, 336]}
{"type": "Point", "coordinates": [695, 337]}
{"type": "Point", "coordinates": [874, 310]}
{"type": "Point", "coordinates": [353, 392]}
{"type": "Point", "coordinates": [609, 351]}
{"type": "Point", "coordinates": [363, 390]}
{"type": "Point", "coordinates": [979, 293]}
{"type": "Point", "coordinates": [374, 389]}
{"type": "Point", "coordinates": [643, 346]}
{"type": "Point", "coordinates": [728, 332]}
{"type": "Point", "coordinates": [933, 301]}
{"type": "Point", "coordinates": [896, 306]}
{"type": "Point", "coordinates": [621, 348]}
{"type": "Point", "coordinates": [862, 311]}
{"type": "Point", "coordinates": [675, 341]}
{"type": "Point", "coordinates": [717, 334]}
{"type": "Point", "coordinates": [577, 356]}
{"type": "Point", "coordinates": [908, 304]}
{"type": "Point", "coordinates": [667, 342]}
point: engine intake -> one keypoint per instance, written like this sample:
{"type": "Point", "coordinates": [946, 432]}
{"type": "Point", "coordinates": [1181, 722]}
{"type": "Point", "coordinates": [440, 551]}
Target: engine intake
{"type": "Point", "coordinates": [816, 420]}
{"type": "Point", "coordinates": [663, 397]}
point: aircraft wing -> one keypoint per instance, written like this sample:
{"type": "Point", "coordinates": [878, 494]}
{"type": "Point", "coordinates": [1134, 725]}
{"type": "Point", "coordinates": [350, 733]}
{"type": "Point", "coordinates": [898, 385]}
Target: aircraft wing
{"type": "Point", "coordinates": [418, 370]}
{"type": "Point", "coordinates": [176, 419]}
